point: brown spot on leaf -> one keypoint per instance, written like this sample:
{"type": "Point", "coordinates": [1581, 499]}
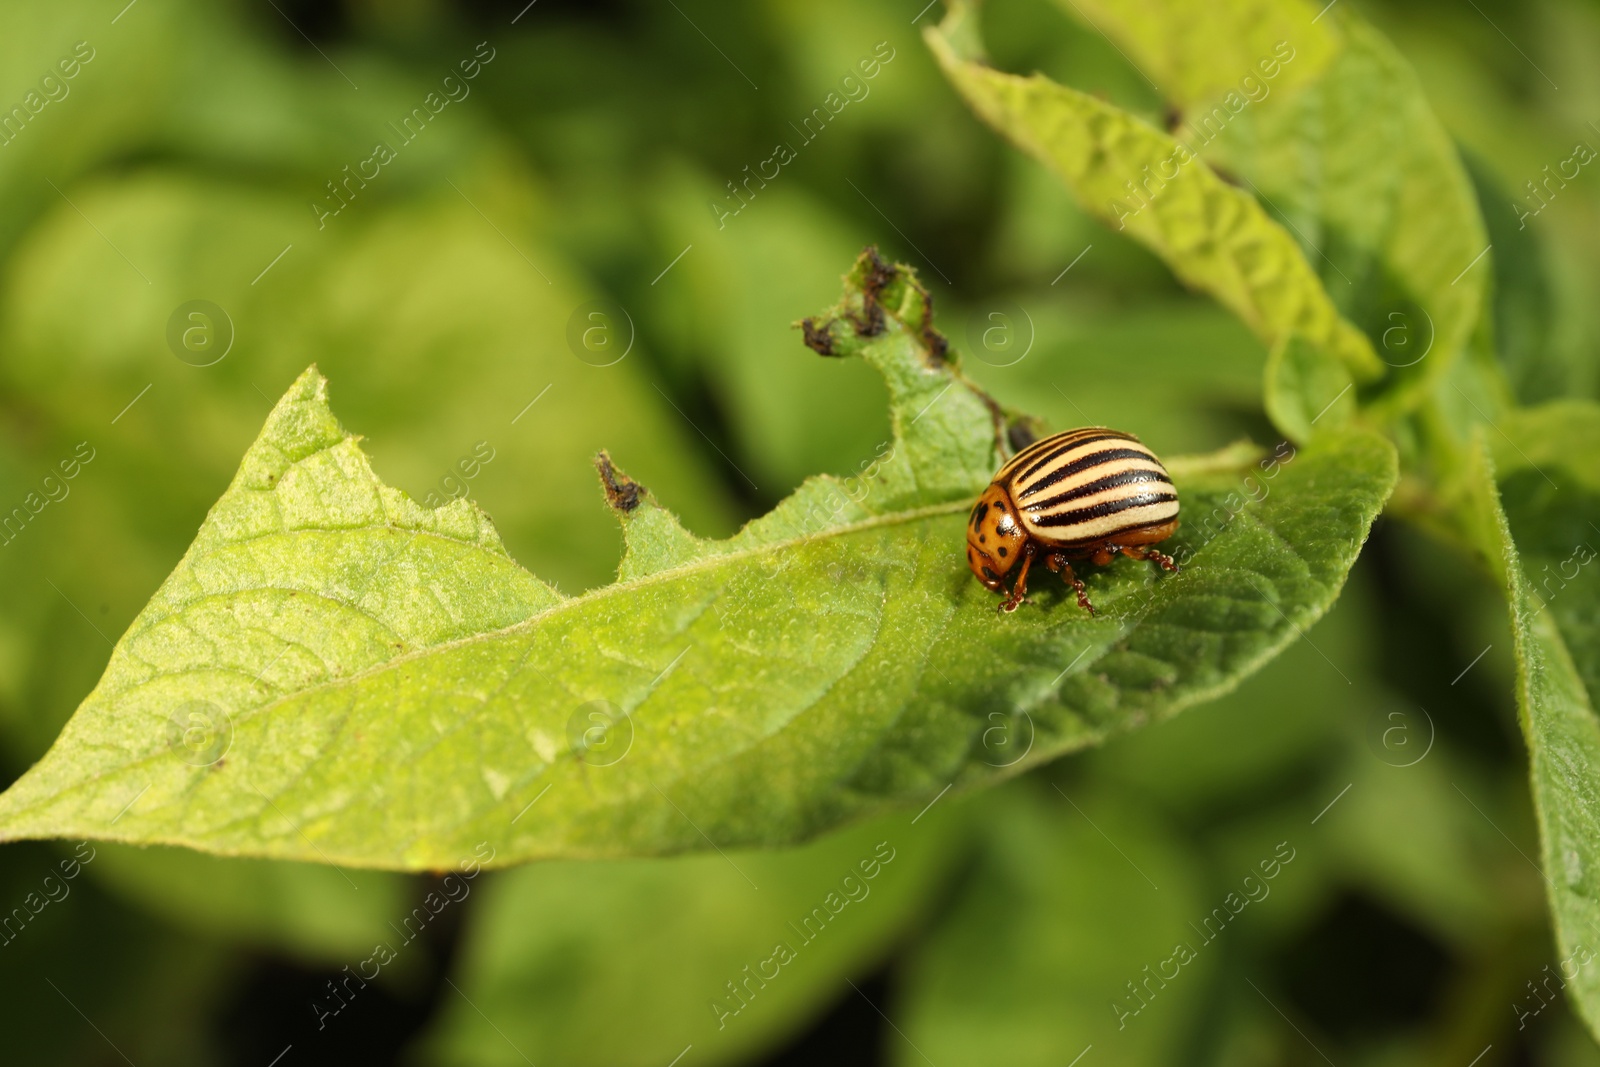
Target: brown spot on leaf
{"type": "Point", "coordinates": [932, 339]}
{"type": "Point", "coordinates": [622, 492]}
{"type": "Point", "coordinates": [875, 277]}
{"type": "Point", "coordinates": [879, 274]}
{"type": "Point", "coordinates": [818, 339]}
{"type": "Point", "coordinates": [870, 324]}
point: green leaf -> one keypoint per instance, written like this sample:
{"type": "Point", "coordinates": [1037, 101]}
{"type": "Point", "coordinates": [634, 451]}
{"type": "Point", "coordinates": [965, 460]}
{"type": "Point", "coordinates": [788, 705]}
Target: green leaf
{"type": "Point", "coordinates": [1402, 833]}
{"type": "Point", "coordinates": [1405, 835]}
{"type": "Point", "coordinates": [1215, 237]}
{"type": "Point", "coordinates": [79, 320]}
{"type": "Point", "coordinates": [1536, 501]}
{"type": "Point", "coordinates": [152, 987]}
{"type": "Point", "coordinates": [1071, 900]}
{"type": "Point", "coordinates": [1304, 387]}
{"type": "Point", "coordinates": [1242, 743]}
{"type": "Point", "coordinates": [310, 911]}
{"type": "Point", "coordinates": [1525, 309]}
{"type": "Point", "coordinates": [334, 672]}
{"type": "Point", "coordinates": [1328, 125]}
{"type": "Point", "coordinates": [1200, 50]}
{"type": "Point", "coordinates": [553, 987]}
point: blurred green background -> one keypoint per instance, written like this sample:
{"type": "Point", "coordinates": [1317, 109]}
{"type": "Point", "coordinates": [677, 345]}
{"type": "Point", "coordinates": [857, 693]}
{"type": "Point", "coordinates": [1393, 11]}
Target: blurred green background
{"type": "Point", "coordinates": [576, 171]}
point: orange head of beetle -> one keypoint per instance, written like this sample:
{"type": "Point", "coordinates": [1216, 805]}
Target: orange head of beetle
{"type": "Point", "coordinates": [995, 537]}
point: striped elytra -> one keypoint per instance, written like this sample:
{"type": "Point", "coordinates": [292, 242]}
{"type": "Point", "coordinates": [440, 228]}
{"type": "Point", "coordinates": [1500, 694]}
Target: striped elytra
{"type": "Point", "coordinates": [1084, 494]}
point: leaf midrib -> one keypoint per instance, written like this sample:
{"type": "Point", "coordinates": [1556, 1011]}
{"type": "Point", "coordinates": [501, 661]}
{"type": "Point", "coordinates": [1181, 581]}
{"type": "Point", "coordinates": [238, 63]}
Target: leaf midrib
{"type": "Point", "coordinates": [532, 621]}
{"type": "Point", "coordinates": [529, 624]}
{"type": "Point", "coordinates": [615, 588]}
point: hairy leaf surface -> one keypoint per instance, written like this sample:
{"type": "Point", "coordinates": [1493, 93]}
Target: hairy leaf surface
{"type": "Point", "coordinates": [1543, 545]}
{"type": "Point", "coordinates": [334, 672]}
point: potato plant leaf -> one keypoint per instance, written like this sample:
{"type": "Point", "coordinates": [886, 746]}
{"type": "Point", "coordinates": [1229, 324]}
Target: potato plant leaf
{"type": "Point", "coordinates": [1213, 235]}
{"type": "Point", "coordinates": [1537, 502]}
{"type": "Point", "coordinates": [336, 673]}
{"type": "Point", "coordinates": [1325, 121]}
{"type": "Point", "coordinates": [1304, 387]}
{"type": "Point", "coordinates": [1200, 49]}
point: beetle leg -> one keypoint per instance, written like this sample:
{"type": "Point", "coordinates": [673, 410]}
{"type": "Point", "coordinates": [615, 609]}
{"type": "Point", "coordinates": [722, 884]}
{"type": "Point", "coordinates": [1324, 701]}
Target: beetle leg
{"type": "Point", "coordinates": [1058, 562]}
{"type": "Point", "coordinates": [1020, 590]}
{"type": "Point", "coordinates": [1104, 555]}
{"type": "Point", "coordinates": [1166, 562]}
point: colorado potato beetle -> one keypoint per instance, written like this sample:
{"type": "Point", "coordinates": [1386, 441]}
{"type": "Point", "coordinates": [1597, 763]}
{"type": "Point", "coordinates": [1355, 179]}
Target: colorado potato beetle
{"type": "Point", "coordinates": [1078, 495]}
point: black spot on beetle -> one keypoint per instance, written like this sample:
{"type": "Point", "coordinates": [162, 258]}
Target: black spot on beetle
{"type": "Point", "coordinates": [622, 493]}
{"type": "Point", "coordinates": [1003, 552]}
{"type": "Point", "coordinates": [989, 574]}
{"type": "Point", "coordinates": [983, 539]}
{"type": "Point", "coordinates": [979, 512]}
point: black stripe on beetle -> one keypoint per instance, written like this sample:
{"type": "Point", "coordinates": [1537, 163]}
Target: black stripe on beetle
{"type": "Point", "coordinates": [1110, 496]}
{"type": "Point", "coordinates": [1064, 447]}
{"type": "Point", "coordinates": [1111, 481]}
{"type": "Point", "coordinates": [1104, 509]}
{"type": "Point", "coordinates": [1067, 470]}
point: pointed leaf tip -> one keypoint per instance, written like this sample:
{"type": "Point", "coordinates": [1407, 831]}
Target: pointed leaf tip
{"type": "Point", "coordinates": [622, 493]}
{"type": "Point", "coordinates": [653, 538]}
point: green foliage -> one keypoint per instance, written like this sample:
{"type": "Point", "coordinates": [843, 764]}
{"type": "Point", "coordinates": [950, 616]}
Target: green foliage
{"type": "Point", "coordinates": [1326, 124]}
{"type": "Point", "coordinates": [312, 910]}
{"type": "Point", "coordinates": [251, 709]}
{"type": "Point", "coordinates": [1348, 153]}
{"type": "Point", "coordinates": [1022, 953]}
{"type": "Point", "coordinates": [150, 982]}
{"type": "Point", "coordinates": [347, 670]}
{"type": "Point", "coordinates": [1540, 546]}
{"type": "Point", "coordinates": [785, 929]}
{"type": "Point", "coordinates": [1304, 387]}
{"type": "Point", "coordinates": [1213, 235]}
